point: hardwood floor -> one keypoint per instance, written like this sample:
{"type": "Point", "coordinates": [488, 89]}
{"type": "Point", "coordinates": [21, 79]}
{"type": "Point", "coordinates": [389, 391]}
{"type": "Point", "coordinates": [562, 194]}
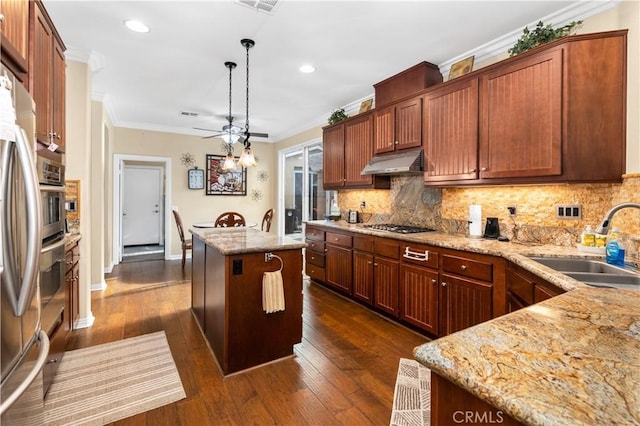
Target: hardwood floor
{"type": "Point", "coordinates": [343, 372]}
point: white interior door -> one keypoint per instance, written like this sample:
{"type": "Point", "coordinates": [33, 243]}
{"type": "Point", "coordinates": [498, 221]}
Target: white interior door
{"type": "Point", "coordinates": [142, 211]}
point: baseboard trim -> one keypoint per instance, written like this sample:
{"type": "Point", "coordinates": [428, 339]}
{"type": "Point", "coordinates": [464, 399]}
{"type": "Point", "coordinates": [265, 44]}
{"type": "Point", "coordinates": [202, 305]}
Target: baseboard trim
{"type": "Point", "coordinates": [85, 322]}
{"type": "Point", "coordinates": [99, 286]}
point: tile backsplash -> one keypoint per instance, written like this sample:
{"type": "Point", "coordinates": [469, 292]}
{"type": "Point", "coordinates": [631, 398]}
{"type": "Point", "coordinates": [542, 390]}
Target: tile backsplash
{"type": "Point", "coordinates": [408, 201]}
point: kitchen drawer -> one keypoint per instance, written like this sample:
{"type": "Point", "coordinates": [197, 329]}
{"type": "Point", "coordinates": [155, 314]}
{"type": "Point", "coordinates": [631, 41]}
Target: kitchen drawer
{"type": "Point", "coordinates": [314, 234]}
{"type": "Point", "coordinates": [421, 255]}
{"type": "Point", "coordinates": [468, 267]}
{"type": "Point", "coordinates": [317, 246]}
{"type": "Point", "coordinates": [387, 248]}
{"type": "Point", "coordinates": [338, 239]}
{"type": "Point", "coordinates": [315, 258]}
{"type": "Point", "coordinates": [316, 273]}
{"type": "Point", "coordinates": [520, 286]}
{"type": "Point", "coordinates": [363, 244]}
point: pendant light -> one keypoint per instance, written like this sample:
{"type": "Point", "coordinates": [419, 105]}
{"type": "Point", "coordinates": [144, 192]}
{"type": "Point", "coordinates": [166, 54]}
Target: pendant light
{"type": "Point", "coordinates": [247, 158]}
{"type": "Point", "coordinates": [229, 138]}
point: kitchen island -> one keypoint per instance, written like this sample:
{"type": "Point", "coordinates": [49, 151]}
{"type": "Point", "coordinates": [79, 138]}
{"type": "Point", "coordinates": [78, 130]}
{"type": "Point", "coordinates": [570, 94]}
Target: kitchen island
{"type": "Point", "coordinates": [228, 265]}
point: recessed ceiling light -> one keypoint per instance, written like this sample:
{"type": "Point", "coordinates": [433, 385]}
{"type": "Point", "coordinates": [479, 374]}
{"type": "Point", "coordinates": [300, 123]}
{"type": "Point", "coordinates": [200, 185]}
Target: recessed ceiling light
{"type": "Point", "coordinates": [307, 68]}
{"type": "Point", "coordinates": [136, 26]}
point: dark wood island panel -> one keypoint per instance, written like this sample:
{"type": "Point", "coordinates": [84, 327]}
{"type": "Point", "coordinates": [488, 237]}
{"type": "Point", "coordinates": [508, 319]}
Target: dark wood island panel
{"type": "Point", "coordinates": [227, 301]}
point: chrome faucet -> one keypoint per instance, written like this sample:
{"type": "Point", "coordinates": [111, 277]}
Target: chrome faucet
{"type": "Point", "coordinates": [603, 228]}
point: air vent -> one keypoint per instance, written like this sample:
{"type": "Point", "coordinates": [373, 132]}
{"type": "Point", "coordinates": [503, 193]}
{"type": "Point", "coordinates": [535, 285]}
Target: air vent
{"type": "Point", "coordinates": [189, 114]}
{"type": "Point", "coordinates": [265, 6]}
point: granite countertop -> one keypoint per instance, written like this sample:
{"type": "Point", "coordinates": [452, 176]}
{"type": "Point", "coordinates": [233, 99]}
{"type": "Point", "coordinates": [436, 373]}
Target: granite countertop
{"type": "Point", "coordinates": [572, 359]}
{"type": "Point", "coordinates": [515, 252]}
{"type": "Point", "coordinates": [72, 238]}
{"type": "Point", "coordinates": [240, 240]}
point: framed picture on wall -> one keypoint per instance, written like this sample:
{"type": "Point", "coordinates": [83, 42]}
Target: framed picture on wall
{"type": "Point", "coordinates": [224, 182]}
{"type": "Point", "coordinates": [462, 67]}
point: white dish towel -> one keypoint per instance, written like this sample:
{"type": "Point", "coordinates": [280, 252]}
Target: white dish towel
{"type": "Point", "coordinates": [272, 292]}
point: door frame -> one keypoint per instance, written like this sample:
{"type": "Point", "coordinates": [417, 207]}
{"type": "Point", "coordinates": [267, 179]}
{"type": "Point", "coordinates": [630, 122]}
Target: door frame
{"type": "Point", "coordinates": [118, 165]}
{"type": "Point", "coordinates": [282, 154]}
{"type": "Point", "coordinates": [161, 180]}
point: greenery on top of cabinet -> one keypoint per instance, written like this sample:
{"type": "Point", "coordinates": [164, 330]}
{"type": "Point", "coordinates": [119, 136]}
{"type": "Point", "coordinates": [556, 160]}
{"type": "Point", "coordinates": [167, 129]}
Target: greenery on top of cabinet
{"type": "Point", "coordinates": [540, 35]}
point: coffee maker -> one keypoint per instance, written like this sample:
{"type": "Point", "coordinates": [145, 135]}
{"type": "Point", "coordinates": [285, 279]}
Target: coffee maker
{"type": "Point", "coordinates": [492, 228]}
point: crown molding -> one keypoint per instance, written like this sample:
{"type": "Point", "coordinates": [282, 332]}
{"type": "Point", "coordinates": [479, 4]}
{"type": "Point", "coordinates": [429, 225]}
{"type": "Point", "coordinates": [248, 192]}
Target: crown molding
{"type": "Point", "coordinates": [501, 45]}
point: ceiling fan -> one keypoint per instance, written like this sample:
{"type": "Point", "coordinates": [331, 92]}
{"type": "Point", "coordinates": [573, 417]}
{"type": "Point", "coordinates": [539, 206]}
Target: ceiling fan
{"type": "Point", "coordinates": [230, 132]}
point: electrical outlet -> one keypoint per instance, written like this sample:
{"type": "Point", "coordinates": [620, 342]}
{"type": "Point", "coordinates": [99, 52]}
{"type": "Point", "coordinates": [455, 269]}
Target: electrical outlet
{"type": "Point", "coordinates": [512, 211]}
{"type": "Point", "coordinates": [362, 204]}
{"type": "Point", "coordinates": [569, 211]}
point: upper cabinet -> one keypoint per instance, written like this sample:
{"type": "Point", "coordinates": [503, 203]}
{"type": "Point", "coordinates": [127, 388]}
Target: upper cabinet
{"type": "Point", "coordinates": [450, 132]}
{"type": "Point", "coordinates": [347, 148]}
{"type": "Point", "coordinates": [14, 36]}
{"type": "Point", "coordinates": [553, 114]}
{"type": "Point", "coordinates": [398, 126]}
{"type": "Point", "coordinates": [48, 79]}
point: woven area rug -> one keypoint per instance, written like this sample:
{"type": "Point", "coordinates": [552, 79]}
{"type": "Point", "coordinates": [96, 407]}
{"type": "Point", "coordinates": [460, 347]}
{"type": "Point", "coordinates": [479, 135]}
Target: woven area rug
{"type": "Point", "coordinates": [412, 395]}
{"type": "Point", "coordinates": [105, 383]}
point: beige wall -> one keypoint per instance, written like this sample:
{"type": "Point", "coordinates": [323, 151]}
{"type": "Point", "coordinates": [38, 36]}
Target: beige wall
{"type": "Point", "coordinates": [78, 166]}
{"type": "Point", "coordinates": [193, 205]}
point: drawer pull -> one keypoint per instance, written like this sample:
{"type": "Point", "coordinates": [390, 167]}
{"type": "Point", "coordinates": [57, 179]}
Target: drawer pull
{"type": "Point", "coordinates": [444, 284]}
{"type": "Point", "coordinates": [463, 267]}
{"type": "Point", "coordinates": [416, 255]}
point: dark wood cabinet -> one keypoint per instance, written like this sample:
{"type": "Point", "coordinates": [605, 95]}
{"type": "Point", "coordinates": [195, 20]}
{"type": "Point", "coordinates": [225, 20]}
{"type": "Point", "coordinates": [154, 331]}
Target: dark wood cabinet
{"type": "Point", "coordinates": [363, 269]}
{"type": "Point", "coordinates": [398, 126]}
{"type": "Point", "coordinates": [538, 117]}
{"type": "Point", "coordinates": [522, 118]}
{"type": "Point", "coordinates": [72, 278]}
{"type": "Point", "coordinates": [338, 263]}
{"type": "Point", "coordinates": [198, 261]}
{"type": "Point", "coordinates": [315, 253]}
{"type": "Point", "coordinates": [450, 132]}
{"type": "Point", "coordinates": [14, 36]}
{"type": "Point", "coordinates": [385, 284]}
{"type": "Point", "coordinates": [525, 288]}
{"type": "Point", "coordinates": [467, 295]}
{"type": "Point", "coordinates": [47, 70]}
{"type": "Point", "coordinates": [347, 148]}
{"type": "Point", "coordinates": [419, 285]}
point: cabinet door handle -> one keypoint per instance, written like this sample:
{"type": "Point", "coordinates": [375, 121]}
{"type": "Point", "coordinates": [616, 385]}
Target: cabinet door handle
{"type": "Point", "coordinates": [326, 250]}
{"type": "Point", "coordinates": [463, 267]}
{"type": "Point", "coordinates": [433, 281]}
{"type": "Point", "coordinates": [375, 264]}
{"type": "Point", "coordinates": [396, 142]}
{"type": "Point", "coordinates": [444, 284]}
{"type": "Point", "coordinates": [483, 169]}
{"type": "Point", "coordinates": [473, 170]}
{"type": "Point", "coordinates": [1, 18]}
{"type": "Point", "coordinates": [369, 263]}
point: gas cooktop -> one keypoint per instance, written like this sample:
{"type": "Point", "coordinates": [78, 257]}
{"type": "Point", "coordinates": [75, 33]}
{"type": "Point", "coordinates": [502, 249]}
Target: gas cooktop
{"type": "Point", "coordinates": [400, 229]}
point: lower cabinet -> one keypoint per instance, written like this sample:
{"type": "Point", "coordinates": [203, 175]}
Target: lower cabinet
{"type": "Point", "coordinates": [432, 289]}
{"type": "Point", "coordinates": [419, 284]}
{"type": "Point", "coordinates": [338, 265]}
{"type": "Point", "coordinates": [72, 278]}
{"type": "Point", "coordinates": [467, 290]}
{"type": "Point", "coordinates": [525, 288]}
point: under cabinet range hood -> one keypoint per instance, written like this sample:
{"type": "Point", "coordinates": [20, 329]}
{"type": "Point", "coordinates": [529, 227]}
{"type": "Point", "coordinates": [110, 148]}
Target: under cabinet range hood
{"type": "Point", "coordinates": [403, 162]}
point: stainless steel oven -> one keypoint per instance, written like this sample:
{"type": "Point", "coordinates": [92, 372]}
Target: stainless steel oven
{"type": "Point", "coordinates": [53, 213]}
{"type": "Point", "coordinates": [50, 169]}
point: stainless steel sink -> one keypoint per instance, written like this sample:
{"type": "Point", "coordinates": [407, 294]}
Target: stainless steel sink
{"type": "Point", "coordinates": [593, 272]}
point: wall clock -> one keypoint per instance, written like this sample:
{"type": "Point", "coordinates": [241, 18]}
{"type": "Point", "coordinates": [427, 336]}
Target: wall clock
{"type": "Point", "coordinates": [196, 178]}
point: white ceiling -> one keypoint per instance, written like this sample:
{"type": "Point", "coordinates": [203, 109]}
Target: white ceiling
{"type": "Point", "coordinates": [146, 80]}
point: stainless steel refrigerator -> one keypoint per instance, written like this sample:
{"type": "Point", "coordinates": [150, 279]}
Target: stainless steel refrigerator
{"type": "Point", "coordinates": [24, 346]}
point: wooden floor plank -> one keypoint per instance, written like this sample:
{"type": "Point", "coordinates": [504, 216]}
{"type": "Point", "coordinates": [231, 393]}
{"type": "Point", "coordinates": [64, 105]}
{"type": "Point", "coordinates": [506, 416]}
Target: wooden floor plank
{"type": "Point", "coordinates": [343, 372]}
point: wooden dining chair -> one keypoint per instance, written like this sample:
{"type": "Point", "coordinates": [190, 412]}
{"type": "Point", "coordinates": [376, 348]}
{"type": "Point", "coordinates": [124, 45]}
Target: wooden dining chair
{"type": "Point", "coordinates": [186, 243]}
{"type": "Point", "coordinates": [266, 220]}
{"type": "Point", "coordinates": [229, 220]}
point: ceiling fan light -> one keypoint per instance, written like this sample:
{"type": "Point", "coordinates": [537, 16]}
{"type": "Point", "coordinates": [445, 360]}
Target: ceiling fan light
{"type": "Point", "coordinates": [230, 138]}
{"type": "Point", "coordinates": [229, 162]}
{"type": "Point", "coordinates": [247, 159]}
